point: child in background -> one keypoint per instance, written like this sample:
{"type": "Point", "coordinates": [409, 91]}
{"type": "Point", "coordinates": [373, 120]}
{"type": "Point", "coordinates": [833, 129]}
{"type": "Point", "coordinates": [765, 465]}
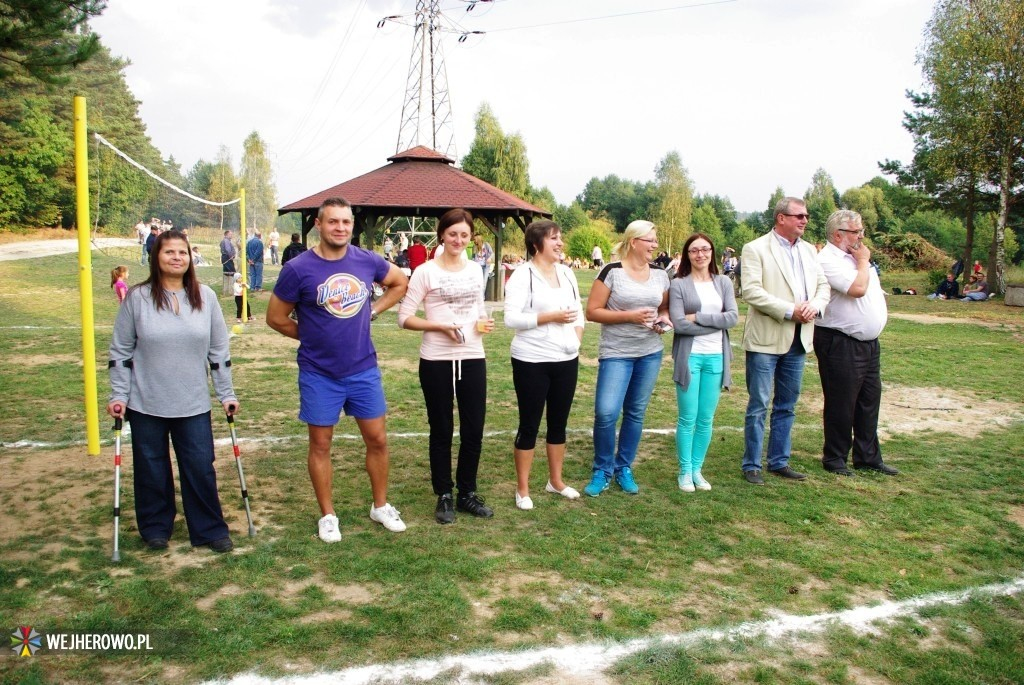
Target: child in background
{"type": "Point", "coordinates": [238, 287]}
{"type": "Point", "coordinates": [118, 278]}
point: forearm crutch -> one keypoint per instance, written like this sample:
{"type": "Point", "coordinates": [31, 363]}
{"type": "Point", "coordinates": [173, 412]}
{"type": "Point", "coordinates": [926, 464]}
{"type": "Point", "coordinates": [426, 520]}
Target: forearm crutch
{"type": "Point", "coordinates": [241, 476]}
{"type": "Point", "coordinates": [117, 487]}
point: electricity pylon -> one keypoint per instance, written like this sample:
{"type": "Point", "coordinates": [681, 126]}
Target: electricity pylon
{"type": "Point", "coordinates": [427, 102]}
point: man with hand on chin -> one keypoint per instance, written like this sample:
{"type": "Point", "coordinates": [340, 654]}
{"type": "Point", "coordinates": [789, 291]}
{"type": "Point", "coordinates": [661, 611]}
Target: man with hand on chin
{"type": "Point", "coordinates": [785, 290]}
{"type": "Point", "coordinates": [846, 343]}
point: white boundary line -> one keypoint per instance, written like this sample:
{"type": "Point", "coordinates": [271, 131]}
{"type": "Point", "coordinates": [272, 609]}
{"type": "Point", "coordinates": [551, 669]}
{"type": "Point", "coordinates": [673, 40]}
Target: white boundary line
{"type": "Point", "coordinates": [594, 658]}
{"type": "Point", "coordinates": [338, 437]}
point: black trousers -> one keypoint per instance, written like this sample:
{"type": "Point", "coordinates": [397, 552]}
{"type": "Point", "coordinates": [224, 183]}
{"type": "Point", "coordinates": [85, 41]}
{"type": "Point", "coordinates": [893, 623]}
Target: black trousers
{"type": "Point", "coordinates": [442, 382]}
{"type": "Point", "coordinates": [850, 371]}
{"type": "Point", "coordinates": [238, 308]}
{"type": "Point", "coordinates": [539, 384]}
{"type": "Point", "coordinates": [192, 437]}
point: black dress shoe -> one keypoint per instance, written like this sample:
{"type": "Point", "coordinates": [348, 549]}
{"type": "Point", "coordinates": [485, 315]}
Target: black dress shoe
{"type": "Point", "coordinates": [843, 471]}
{"type": "Point", "coordinates": [472, 503]}
{"type": "Point", "coordinates": [156, 543]}
{"type": "Point", "coordinates": [881, 468]}
{"type": "Point", "coordinates": [444, 512]}
{"type": "Point", "coordinates": [753, 477]}
{"type": "Point", "coordinates": [786, 472]}
{"type": "Point", "coordinates": [221, 546]}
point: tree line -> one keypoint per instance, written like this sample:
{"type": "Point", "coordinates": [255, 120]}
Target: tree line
{"type": "Point", "coordinates": [960, 192]}
{"type": "Point", "coordinates": [48, 56]}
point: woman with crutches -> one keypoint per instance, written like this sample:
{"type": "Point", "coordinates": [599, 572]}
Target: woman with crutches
{"type": "Point", "coordinates": [168, 331]}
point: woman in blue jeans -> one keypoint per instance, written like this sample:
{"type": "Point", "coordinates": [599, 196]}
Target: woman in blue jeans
{"type": "Point", "coordinates": [630, 301]}
{"type": "Point", "coordinates": [702, 306]}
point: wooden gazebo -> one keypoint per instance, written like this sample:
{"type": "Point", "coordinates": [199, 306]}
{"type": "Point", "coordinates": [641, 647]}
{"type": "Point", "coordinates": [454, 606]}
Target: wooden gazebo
{"type": "Point", "coordinates": [421, 182]}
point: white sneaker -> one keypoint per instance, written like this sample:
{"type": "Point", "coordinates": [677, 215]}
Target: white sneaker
{"type": "Point", "coordinates": [328, 526]}
{"type": "Point", "coordinates": [685, 482]}
{"type": "Point", "coordinates": [387, 516]}
{"type": "Point", "coordinates": [699, 481]}
{"type": "Point", "coordinates": [567, 492]}
{"type": "Point", "coordinates": [524, 503]}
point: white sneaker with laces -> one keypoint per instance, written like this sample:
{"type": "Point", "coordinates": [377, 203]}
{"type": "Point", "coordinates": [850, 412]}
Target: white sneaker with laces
{"type": "Point", "coordinates": [685, 481]}
{"type": "Point", "coordinates": [387, 516]}
{"type": "Point", "coordinates": [524, 503]}
{"type": "Point", "coordinates": [329, 531]}
{"type": "Point", "coordinates": [567, 492]}
{"type": "Point", "coordinates": [700, 483]}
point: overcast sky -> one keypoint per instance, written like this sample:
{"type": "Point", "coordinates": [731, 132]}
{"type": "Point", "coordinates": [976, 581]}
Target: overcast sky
{"type": "Point", "coordinates": [753, 94]}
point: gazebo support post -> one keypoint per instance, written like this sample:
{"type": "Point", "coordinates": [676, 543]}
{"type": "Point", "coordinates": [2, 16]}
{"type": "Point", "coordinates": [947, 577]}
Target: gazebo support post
{"type": "Point", "coordinates": [496, 291]}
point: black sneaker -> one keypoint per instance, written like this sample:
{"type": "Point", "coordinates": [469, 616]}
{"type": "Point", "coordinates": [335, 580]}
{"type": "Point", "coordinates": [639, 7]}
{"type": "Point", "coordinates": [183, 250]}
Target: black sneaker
{"type": "Point", "coordinates": [156, 543]}
{"type": "Point", "coordinates": [445, 510]}
{"type": "Point", "coordinates": [221, 546]}
{"type": "Point", "coordinates": [473, 503]}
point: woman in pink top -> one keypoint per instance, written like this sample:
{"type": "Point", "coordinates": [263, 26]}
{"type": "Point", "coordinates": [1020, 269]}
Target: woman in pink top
{"type": "Point", "coordinates": [450, 290]}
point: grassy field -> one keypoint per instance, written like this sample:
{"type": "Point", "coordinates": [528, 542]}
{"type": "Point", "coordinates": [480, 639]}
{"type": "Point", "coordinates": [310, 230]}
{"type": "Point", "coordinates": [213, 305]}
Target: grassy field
{"type": "Point", "coordinates": [611, 568]}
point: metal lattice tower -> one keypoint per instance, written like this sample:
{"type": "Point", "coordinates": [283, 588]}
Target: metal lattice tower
{"type": "Point", "coordinates": [427, 102]}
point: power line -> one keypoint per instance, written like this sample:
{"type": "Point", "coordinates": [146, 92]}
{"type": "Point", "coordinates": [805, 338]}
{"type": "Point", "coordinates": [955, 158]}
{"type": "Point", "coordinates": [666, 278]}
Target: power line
{"type": "Point", "coordinates": [613, 16]}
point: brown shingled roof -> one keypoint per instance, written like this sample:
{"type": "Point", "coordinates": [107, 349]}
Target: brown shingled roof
{"type": "Point", "coordinates": [422, 182]}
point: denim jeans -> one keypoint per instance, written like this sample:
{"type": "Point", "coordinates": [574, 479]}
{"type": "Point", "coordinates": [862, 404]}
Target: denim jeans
{"type": "Point", "coordinates": [624, 387]}
{"type": "Point", "coordinates": [192, 437]}
{"type": "Point", "coordinates": [697, 406]}
{"type": "Point", "coordinates": [786, 373]}
{"type": "Point", "coordinates": [256, 275]}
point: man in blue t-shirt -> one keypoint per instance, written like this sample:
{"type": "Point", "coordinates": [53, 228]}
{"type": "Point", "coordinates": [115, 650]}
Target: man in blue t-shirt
{"type": "Point", "coordinates": [329, 287]}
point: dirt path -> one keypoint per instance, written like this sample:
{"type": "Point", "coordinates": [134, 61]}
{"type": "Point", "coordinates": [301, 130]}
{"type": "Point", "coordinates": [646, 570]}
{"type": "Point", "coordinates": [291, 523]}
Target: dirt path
{"type": "Point", "coordinates": [31, 249]}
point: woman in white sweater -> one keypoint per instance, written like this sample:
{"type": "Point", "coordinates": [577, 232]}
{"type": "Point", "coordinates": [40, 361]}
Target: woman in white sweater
{"type": "Point", "coordinates": [452, 364]}
{"type": "Point", "coordinates": [542, 304]}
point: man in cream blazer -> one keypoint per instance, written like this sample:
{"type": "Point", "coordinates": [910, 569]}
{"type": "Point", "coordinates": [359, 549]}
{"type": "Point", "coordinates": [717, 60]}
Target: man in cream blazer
{"type": "Point", "coordinates": [786, 291]}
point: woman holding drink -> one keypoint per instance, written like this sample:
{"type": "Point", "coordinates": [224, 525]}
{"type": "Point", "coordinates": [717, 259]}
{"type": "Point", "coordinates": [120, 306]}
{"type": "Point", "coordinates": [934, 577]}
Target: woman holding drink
{"type": "Point", "coordinates": [630, 300]}
{"type": "Point", "coordinates": [452, 363]}
{"type": "Point", "coordinates": [542, 304]}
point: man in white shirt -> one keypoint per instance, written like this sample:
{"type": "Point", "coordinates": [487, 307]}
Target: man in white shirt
{"type": "Point", "coordinates": [142, 230]}
{"type": "Point", "coordinates": [275, 241]}
{"type": "Point", "coordinates": [846, 343]}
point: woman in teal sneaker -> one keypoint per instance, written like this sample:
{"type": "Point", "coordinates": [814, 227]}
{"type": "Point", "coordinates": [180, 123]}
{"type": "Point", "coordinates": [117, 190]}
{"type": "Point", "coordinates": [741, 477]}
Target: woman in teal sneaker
{"type": "Point", "coordinates": [703, 309]}
{"type": "Point", "coordinates": [630, 301]}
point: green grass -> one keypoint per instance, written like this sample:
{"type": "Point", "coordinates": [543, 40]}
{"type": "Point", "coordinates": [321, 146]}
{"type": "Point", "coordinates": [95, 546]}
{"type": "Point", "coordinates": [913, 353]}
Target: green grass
{"type": "Point", "coordinates": [615, 568]}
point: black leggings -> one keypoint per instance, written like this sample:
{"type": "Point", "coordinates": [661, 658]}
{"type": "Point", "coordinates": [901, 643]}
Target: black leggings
{"type": "Point", "coordinates": [442, 382]}
{"type": "Point", "coordinates": [238, 308]}
{"type": "Point", "coordinates": [537, 384]}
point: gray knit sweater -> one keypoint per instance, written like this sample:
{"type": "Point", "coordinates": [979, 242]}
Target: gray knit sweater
{"type": "Point", "coordinates": [168, 355]}
{"type": "Point", "coordinates": [683, 300]}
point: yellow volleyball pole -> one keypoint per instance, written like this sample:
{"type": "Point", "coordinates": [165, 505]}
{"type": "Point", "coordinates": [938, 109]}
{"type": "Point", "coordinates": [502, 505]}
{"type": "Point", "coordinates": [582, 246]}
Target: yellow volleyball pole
{"type": "Point", "coordinates": [244, 258]}
{"type": "Point", "coordinates": [92, 419]}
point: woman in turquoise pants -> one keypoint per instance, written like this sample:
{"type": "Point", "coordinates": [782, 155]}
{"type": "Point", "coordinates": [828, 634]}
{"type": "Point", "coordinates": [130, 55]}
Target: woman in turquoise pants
{"type": "Point", "coordinates": [702, 307]}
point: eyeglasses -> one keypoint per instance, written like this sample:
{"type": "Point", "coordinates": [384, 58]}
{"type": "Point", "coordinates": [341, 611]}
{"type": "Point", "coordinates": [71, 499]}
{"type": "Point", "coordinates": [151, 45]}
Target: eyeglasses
{"type": "Point", "coordinates": [652, 241]}
{"type": "Point", "coordinates": [699, 250]}
{"type": "Point", "coordinates": [846, 230]}
{"type": "Point", "coordinates": [803, 217]}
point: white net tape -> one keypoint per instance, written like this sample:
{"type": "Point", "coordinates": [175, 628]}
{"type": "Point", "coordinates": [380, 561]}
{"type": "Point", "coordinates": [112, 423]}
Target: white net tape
{"type": "Point", "coordinates": [157, 178]}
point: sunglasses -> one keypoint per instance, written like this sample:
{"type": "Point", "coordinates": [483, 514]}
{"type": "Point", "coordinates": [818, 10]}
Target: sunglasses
{"type": "Point", "coordinates": [803, 217]}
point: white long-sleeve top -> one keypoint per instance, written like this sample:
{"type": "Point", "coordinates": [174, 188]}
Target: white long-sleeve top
{"type": "Point", "coordinates": [448, 297]}
{"type": "Point", "coordinates": [528, 294]}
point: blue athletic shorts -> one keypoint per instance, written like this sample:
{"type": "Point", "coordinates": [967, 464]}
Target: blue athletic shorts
{"type": "Point", "coordinates": [322, 398]}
